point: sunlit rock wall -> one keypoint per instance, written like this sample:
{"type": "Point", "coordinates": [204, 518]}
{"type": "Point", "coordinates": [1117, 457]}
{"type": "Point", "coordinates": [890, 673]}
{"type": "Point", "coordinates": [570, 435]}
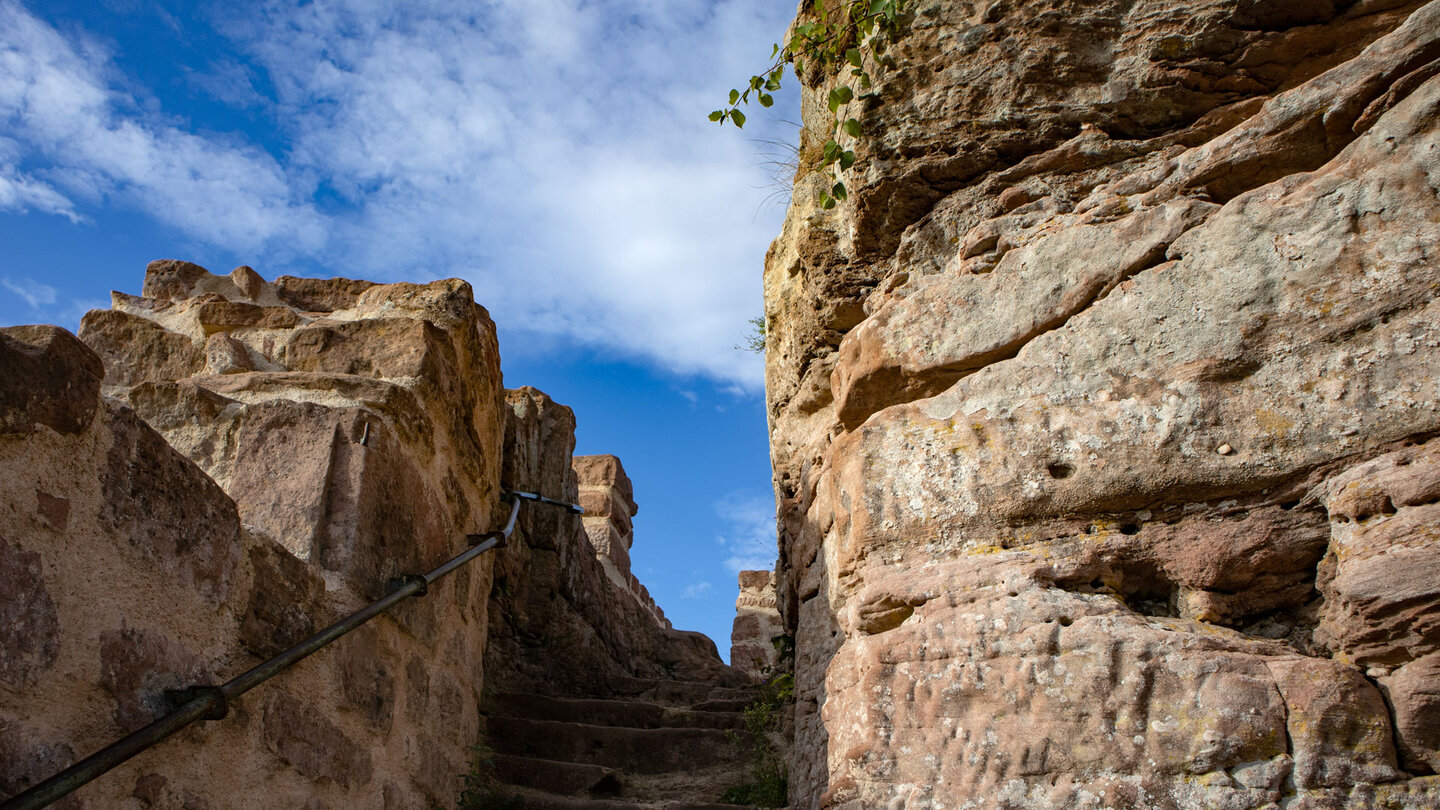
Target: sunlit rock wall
{"type": "Point", "coordinates": [268, 456]}
{"type": "Point", "coordinates": [1101, 412]}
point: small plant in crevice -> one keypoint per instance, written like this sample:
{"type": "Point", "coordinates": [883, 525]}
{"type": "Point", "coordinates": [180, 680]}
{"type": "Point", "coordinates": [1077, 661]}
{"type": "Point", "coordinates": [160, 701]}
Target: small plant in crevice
{"type": "Point", "coordinates": [480, 789]}
{"type": "Point", "coordinates": [754, 340]}
{"type": "Point", "coordinates": [835, 33]}
{"type": "Point", "coordinates": [764, 721]}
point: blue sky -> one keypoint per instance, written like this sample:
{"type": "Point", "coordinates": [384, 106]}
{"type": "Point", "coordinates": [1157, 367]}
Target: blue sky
{"type": "Point", "coordinates": [554, 153]}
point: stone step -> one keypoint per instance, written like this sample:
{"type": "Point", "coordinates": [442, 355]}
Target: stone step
{"type": "Point", "coordinates": [633, 750]}
{"type": "Point", "coordinates": [726, 705]}
{"type": "Point", "coordinates": [536, 800]}
{"type": "Point", "coordinates": [679, 693]}
{"type": "Point", "coordinates": [629, 713]}
{"type": "Point", "coordinates": [551, 776]}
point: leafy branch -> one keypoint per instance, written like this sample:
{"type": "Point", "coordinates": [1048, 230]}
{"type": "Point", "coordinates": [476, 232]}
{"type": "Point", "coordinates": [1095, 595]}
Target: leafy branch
{"type": "Point", "coordinates": [835, 35]}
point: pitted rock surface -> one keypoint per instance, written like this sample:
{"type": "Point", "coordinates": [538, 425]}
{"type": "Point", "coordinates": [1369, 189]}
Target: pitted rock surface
{"type": "Point", "coordinates": [1102, 412]}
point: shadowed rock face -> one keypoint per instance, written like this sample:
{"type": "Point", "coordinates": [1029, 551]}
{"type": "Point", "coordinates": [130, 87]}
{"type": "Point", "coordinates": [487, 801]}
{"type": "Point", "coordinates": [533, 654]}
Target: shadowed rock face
{"type": "Point", "coordinates": [567, 615]}
{"type": "Point", "coordinates": [1102, 412]}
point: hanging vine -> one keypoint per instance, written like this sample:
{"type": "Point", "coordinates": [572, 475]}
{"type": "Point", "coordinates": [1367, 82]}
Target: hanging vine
{"type": "Point", "coordinates": [836, 34]}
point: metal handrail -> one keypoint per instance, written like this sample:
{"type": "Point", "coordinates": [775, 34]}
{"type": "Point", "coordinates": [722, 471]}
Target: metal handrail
{"type": "Point", "coordinates": [213, 702]}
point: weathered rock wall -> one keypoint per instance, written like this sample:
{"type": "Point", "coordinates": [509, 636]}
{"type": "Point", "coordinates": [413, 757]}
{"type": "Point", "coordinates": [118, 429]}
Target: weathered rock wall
{"type": "Point", "coordinates": [567, 615]}
{"type": "Point", "coordinates": [225, 465]}
{"type": "Point", "coordinates": [267, 458]}
{"type": "Point", "coordinates": [757, 624]}
{"type": "Point", "coordinates": [1101, 412]}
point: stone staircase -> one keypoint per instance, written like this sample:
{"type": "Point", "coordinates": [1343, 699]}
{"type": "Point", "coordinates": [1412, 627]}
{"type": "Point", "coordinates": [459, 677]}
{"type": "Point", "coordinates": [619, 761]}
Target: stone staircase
{"type": "Point", "coordinates": [653, 745]}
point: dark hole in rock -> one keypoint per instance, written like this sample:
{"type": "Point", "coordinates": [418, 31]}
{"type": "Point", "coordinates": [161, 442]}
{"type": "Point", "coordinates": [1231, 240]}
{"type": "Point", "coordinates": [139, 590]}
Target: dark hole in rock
{"type": "Point", "coordinates": [609, 785]}
{"type": "Point", "coordinates": [1388, 507]}
{"type": "Point", "coordinates": [1059, 469]}
{"type": "Point", "coordinates": [1014, 594]}
{"type": "Point", "coordinates": [1129, 528]}
{"type": "Point", "coordinates": [1066, 621]}
{"type": "Point", "coordinates": [1288, 505]}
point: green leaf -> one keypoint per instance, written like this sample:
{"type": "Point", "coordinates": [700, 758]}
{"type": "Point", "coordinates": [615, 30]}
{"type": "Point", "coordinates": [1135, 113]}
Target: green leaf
{"type": "Point", "coordinates": [756, 82]}
{"type": "Point", "coordinates": [774, 50]}
{"type": "Point", "coordinates": [839, 191]}
{"type": "Point", "coordinates": [738, 117]}
{"type": "Point", "coordinates": [847, 159]}
{"type": "Point", "coordinates": [734, 96]}
{"type": "Point", "coordinates": [718, 115]}
{"type": "Point", "coordinates": [826, 201]}
{"type": "Point", "coordinates": [853, 56]}
{"type": "Point", "coordinates": [831, 151]}
{"type": "Point", "coordinates": [845, 94]}
{"type": "Point", "coordinates": [852, 127]}
{"type": "Point", "coordinates": [865, 81]}
{"type": "Point", "coordinates": [766, 99]}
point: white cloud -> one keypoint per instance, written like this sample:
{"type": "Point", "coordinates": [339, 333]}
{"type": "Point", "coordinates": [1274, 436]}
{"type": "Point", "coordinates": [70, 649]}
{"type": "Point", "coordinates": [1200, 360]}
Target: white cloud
{"type": "Point", "coordinates": [55, 98]}
{"type": "Point", "coordinates": [751, 538]}
{"type": "Point", "coordinates": [32, 292]}
{"type": "Point", "coordinates": [698, 590]}
{"type": "Point", "coordinates": [19, 193]}
{"type": "Point", "coordinates": [553, 152]}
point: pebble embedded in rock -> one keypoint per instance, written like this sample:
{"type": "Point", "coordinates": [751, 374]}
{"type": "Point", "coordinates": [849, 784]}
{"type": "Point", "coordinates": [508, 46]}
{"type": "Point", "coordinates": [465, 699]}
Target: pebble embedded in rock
{"type": "Point", "coordinates": [1224, 449]}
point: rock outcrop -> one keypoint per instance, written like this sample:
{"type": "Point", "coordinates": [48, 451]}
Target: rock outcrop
{"type": "Point", "coordinates": [223, 465]}
{"type": "Point", "coordinates": [758, 626]}
{"type": "Point", "coordinates": [226, 467]}
{"type": "Point", "coordinates": [568, 618]}
{"type": "Point", "coordinates": [1102, 412]}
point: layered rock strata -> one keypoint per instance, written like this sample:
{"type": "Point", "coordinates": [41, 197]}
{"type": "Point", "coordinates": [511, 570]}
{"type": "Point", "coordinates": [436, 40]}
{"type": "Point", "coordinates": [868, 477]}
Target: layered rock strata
{"type": "Point", "coordinates": [1102, 410]}
{"type": "Point", "coordinates": [608, 499]}
{"type": "Point", "coordinates": [758, 631]}
{"type": "Point", "coordinates": [567, 616]}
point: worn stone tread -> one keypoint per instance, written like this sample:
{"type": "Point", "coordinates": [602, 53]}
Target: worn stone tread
{"type": "Point", "coordinates": [537, 800]}
{"type": "Point", "coordinates": [633, 750]}
{"type": "Point", "coordinates": [553, 776]}
{"type": "Point", "coordinates": [626, 713]}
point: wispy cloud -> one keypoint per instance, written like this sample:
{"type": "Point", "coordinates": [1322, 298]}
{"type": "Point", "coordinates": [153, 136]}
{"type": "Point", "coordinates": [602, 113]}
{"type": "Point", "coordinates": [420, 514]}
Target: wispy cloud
{"type": "Point", "coordinates": [750, 538]}
{"type": "Point", "coordinates": [32, 292]}
{"type": "Point", "coordinates": [55, 97]}
{"type": "Point", "coordinates": [553, 152]}
{"type": "Point", "coordinates": [698, 590]}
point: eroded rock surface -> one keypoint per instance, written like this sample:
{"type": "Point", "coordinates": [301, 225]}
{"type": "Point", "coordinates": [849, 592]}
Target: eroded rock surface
{"type": "Point", "coordinates": [568, 618]}
{"type": "Point", "coordinates": [758, 631]}
{"type": "Point", "coordinates": [221, 466]}
{"type": "Point", "coordinates": [1102, 412]}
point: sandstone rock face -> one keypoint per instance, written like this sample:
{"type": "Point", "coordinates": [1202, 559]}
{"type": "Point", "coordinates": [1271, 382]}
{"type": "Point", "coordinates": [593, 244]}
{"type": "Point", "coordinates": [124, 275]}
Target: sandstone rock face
{"type": "Point", "coordinates": [608, 499]}
{"type": "Point", "coordinates": [268, 457]}
{"type": "Point", "coordinates": [567, 616]}
{"type": "Point", "coordinates": [757, 625]}
{"type": "Point", "coordinates": [1102, 412]}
